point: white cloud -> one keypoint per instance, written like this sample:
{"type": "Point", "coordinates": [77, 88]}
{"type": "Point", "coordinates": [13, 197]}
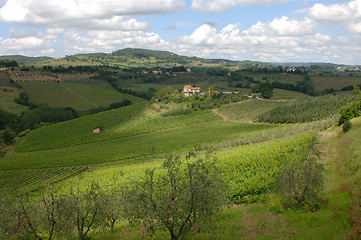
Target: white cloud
{"type": "Point", "coordinates": [355, 27]}
{"type": "Point", "coordinates": [334, 13]}
{"type": "Point", "coordinates": [341, 12]}
{"type": "Point", "coordinates": [282, 39]}
{"type": "Point", "coordinates": [216, 6]}
{"type": "Point", "coordinates": [85, 13]}
{"type": "Point", "coordinates": [107, 41]}
{"type": "Point", "coordinates": [33, 46]}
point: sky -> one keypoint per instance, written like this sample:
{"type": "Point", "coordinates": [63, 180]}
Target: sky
{"type": "Point", "coordinates": [258, 30]}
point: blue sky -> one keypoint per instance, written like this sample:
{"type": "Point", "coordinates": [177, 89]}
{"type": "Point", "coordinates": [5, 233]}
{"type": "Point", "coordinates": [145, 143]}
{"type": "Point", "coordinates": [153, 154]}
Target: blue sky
{"type": "Point", "coordinates": [262, 30]}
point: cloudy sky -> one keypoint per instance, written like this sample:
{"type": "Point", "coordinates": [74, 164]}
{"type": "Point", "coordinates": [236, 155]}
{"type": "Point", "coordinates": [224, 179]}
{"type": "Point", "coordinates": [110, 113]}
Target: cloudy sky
{"type": "Point", "coordinates": [263, 30]}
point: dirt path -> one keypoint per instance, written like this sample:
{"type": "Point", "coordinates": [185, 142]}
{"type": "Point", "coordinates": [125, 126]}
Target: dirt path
{"type": "Point", "coordinates": [215, 111]}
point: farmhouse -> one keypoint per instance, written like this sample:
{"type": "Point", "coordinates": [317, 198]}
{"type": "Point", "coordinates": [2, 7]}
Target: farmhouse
{"type": "Point", "coordinates": [96, 130]}
{"type": "Point", "coordinates": [189, 90]}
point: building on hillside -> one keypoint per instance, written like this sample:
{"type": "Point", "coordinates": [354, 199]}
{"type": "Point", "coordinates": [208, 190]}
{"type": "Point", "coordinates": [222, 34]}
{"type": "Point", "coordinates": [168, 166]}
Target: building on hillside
{"type": "Point", "coordinates": [189, 90]}
{"type": "Point", "coordinates": [97, 130]}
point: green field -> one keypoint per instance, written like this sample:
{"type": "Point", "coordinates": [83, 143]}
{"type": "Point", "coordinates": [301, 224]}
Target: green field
{"type": "Point", "coordinates": [75, 95]}
{"type": "Point", "coordinates": [323, 82]}
{"type": "Point", "coordinates": [7, 100]}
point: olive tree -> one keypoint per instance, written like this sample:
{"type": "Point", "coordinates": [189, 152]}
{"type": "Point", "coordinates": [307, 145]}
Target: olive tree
{"type": "Point", "coordinates": [177, 195]}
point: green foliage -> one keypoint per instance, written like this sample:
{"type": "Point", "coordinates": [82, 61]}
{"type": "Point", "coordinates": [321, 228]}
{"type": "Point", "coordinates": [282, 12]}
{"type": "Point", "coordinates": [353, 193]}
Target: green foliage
{"type": "Point", "coordinates": [302, 179]}
{"type": "Point", "coordinates": [307, 110]}
{"type": "Point", "coordinates": [349, 111]}
{"type": "Point", "coordinates": [346, 126]}
{"type": "Point", "coordinates": [181, 194]}
{"type": "Point", "coordinates": [46, 114]}
{"type": "Point", "coordinates": [356, 90]}
{"type": "Point", "coordinates": [8, 136]}
{"type": "Point", "coordinates": [265, 88]}
{"type": "Point", "coordinates": [251, 170]}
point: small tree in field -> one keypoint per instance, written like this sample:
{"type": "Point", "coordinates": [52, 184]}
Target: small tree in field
{"type": "Point", "coordinates": [177, 196]}
{"type": "Point", "coordinates": [302, 180]}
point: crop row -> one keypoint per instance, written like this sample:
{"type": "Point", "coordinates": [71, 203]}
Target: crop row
{"type": "Point", "coordinates": [307, 110]}
{"type": "Point", "coordinates": [249, 170]}
{"type": "Point", "coordinates": [114, 124]}
{"type": "Point", "coordinates": [29, 180]}
{"type": "Point", "coordinates": [172, 140]}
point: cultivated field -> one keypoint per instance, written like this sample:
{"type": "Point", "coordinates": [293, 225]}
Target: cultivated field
{"type": "Point", "coordinates": [76, 95]}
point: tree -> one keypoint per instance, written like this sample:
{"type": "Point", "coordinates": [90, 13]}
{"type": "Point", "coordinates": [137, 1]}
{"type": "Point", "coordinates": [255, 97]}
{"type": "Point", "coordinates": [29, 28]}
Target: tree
{"type": "Point", "coordinates": [302, 180]}
{"type": "Point", "coordinates": [8, 136]}
{"type": "Point", "coordinates": [79, 210]}
{"type": "Point", "coordinates": [265, 88]}
{"type": "Point", "coordinates": [177, 196]}
{"type": "Point", "coordinates": [356, 90]}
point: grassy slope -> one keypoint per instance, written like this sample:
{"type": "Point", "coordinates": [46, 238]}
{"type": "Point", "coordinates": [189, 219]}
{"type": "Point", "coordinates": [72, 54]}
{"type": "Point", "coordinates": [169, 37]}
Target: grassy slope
{"type": "Point", "coordinates": [7, 100]}
{"type": "Point", "coordinates": [75, 95]}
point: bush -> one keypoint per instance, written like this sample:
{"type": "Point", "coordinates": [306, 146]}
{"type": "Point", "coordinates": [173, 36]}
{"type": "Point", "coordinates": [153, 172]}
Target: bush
{"type": "Point", "coordinates": [301, 181]}
{"type": "Point", "coordinates": [8, 136]}
{"type": "Point", "coordinates": [346, 126]}
{"type": "Point", "coordinates": [350, 111]}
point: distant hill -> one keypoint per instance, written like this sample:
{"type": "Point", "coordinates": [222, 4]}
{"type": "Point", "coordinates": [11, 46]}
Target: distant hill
{"type": "Point", "coordinates": [24, 59]}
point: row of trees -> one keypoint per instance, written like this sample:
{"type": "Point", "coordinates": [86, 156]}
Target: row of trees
{"type": "Point", "coordinates": [174, 198]}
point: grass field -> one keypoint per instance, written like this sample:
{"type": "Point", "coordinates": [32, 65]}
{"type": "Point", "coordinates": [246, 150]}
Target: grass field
{"type": "Point", "coordinates": [7, 100]}
{"type": "Point", "coordinates": [75, 95]}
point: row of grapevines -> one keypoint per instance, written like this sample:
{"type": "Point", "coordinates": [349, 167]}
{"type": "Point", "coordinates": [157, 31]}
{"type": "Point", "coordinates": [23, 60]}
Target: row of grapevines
{"type": "Point", "coordinates": [307, 110]}
{"type": "Point", "coordinates": [251, 170]}
{"type": "Point", "coordinates": [29, 180]}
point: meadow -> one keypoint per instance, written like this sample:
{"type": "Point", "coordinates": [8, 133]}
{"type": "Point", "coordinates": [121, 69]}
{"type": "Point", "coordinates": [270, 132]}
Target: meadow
{"type": "Point", "coordinates": [76, 95]}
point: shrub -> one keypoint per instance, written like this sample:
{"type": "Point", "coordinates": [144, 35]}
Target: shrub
{"type": "Point", "coordinates": [302, 180]}
{"type": "Point", "coordinates": [346, 126]}
{"type": "Point", "coordinates": [350, 111]}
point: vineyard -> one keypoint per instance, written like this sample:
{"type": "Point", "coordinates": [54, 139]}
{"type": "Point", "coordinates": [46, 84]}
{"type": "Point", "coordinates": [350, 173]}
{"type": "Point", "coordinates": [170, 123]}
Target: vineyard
{"type": "Point", "coordinates": [76, 95]}
{"type": "Point", "coordinates": [167, 141]}
{"type": "Point", "coordinates": [34, 179]}
{"type": "Point", "coordinates": [307, 110]}
{"type": "Point", "coordinates": [30, 76]}
{"type": "Point", "coordinates": [249, 110]}
{"type": "Point", "coordinates": [249, 170]}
